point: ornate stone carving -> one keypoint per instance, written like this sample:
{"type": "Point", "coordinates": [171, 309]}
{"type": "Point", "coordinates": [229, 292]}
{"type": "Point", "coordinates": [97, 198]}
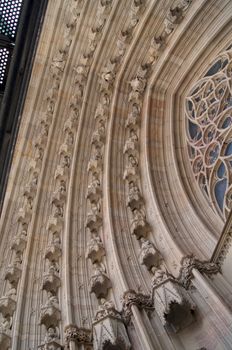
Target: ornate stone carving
{"type": "Point", "coordinates": [131, 145]}
{"type": "Point", "coordinates": [135, 200]}
{"type": "Point", "coordinates": [149, 256]}
{"type": "Point", "coordinates": [172, 18]}
{"type": "Point", "coordinates": [139, 225]}
{"type": "Point", "coordinates": [95, 249]}
{"type": "Point", "coordinates": [19, 242]}
{"type": "Point", "coordinates": [13, 274]}
{"type": "Point", "coordinates": [54, 224]}
{"type": "Point", "coordinates": [172, 302]}
{"type": "Point", "coordinates": [5, 340]}
{"type": "Point", "coordinates": [51, 341]}
{"type": "Point", "coordinates": [99, 282]}
{"type": "Point", "coordinates": [50, 313]}
{"type": "Point", "coordinates": [62, 173]}
{"type": "Point", "coordinates": [133, 118]}
{"type": "Point", "coordinates": [79, 335]}
{"type": "Point", "coordinates": [131, 172]}
{"type": "Point", "coordinates": [24, 215]}
{"type": "Point", "coordinates": [189, 263]}
{"type": "Point", "coordinates": [130, 298]}
{"type": "Point", "coordinates": [94, 219]}
{"type": "Point", "coordinates": [109, 329]}
{"type": "Point", "coordinates": [51, 281]}
{"type": "Point", "coordinates": [94, 189]}
{"type": "Point", "coordinates": [5, 333]}
{"type": "Point", "coordinates": [53, 252]}
{"type": "Point", "coordinates": [7, 306]}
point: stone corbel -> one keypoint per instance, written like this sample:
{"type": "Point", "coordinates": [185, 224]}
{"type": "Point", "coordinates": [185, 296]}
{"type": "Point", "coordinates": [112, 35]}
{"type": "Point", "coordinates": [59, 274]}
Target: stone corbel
{"type": "Point", "coordinates": [172, 302]}
{"type": "Point", "coordinates": [109, 330]}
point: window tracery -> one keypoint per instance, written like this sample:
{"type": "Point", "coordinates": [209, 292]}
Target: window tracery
{"type": "Point", "coordinates": [208, 110]}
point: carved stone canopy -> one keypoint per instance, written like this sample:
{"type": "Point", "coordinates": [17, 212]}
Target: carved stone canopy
{"type": "Point", "coordinates": [173, 304]}
{"type": "Point", "coordinates": [109, 331]}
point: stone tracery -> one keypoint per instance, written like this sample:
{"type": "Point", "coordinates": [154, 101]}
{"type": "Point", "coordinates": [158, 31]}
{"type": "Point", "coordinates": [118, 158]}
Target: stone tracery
{"type": "Point", "coordinates": [208, 121]}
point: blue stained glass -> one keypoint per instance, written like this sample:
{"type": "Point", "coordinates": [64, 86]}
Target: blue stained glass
{"type": "Point", "coordinates": [228, 150]}
{"type": "Point", "coordinates": [194, 131]}
{"type": "Point", "coordinates": [221, 170]}
{"type": "Point", "coordinates": [226, 123]}
{"type": "Point", "coordinates": [220, 64]}
{"type": "Point", "coordinates": [219, 190]}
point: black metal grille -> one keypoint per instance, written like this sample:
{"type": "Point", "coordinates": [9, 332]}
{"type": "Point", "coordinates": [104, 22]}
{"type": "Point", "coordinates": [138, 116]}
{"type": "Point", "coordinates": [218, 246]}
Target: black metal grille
{"type": "Point", "coordinates": [9, 16]}
{"type": "Point", "coordinates": [4, 63]}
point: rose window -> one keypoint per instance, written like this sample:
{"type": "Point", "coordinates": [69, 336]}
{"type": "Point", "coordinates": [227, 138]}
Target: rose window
{"type": "Point", "coordinates": [208, 112]}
